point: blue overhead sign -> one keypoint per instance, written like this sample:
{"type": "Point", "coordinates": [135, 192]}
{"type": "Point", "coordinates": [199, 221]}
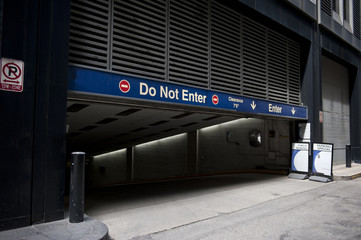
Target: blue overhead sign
{"type": "Point", "coordinates": [106, 83]}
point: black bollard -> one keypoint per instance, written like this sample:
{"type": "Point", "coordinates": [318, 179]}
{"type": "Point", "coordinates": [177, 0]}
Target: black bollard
{"type": "Point", "coordinates": [76, 198]}
{"type": "Point", "coordinates": [348, 155]}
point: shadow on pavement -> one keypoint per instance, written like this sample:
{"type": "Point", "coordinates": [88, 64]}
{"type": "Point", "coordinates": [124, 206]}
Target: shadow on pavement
{"type": "Point", "coordinates": [137, 195]}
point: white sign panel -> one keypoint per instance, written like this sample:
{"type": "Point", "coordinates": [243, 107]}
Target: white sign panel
{"type": "Point", "coordinates": [12, 75]}
{"type": "Point", "coordinates": [305, 131]}
{"type": "Point", "coordinates": [299, 159]}
{"type": "Point", "coordinates": [322, 158]}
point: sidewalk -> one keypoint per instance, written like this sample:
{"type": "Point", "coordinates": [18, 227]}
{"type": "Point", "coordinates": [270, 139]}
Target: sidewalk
{"type": "Point", "coordinates": [90, 229]}
{"type": "Point", "coordinates": [139, 210]}
{"type": "Point", "coordinates": [126, 218]}
{"type": "Point", "coordinates": [341, 172]}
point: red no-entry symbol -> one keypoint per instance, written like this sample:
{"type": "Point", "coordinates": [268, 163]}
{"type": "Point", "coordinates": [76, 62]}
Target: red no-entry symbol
{"type": "Point", "coordinates": [215, 99]}
{"type": "Point", "coordinates": [124, 86]}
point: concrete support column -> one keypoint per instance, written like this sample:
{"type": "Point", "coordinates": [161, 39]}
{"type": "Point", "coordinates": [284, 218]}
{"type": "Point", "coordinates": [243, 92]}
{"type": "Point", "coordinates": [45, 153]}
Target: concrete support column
{"type": "Point", "coordinates": [34, 120]}
{"type": "Point", "coordinates": [316, 125]}
{"type": "Point", "coordinates": [193, 153]}
{"type": "Point", "coordinates": [355, 112]}
{"type": "Point", "coordinates": [130, 164]}
{"type": "Point", "coordinates": [311, 88]}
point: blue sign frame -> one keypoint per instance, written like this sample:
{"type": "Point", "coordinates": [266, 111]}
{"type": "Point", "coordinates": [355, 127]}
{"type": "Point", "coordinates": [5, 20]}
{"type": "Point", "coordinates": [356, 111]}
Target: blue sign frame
{"type": "Point", "coordinates": [300, 157]}
{"type": "Point", "coordinates": [322, 159]}
{"type": "Point", "coordinates": [106, 83]}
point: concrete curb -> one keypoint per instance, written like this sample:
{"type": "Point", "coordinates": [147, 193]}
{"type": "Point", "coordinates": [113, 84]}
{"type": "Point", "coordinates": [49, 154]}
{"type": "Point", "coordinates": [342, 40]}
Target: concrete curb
{"type": "Point", "coordinates": [90, 229]}
{"type": "Point", "coordinates": [343, 173]}
{"type": "Point", "coordinates": [346, 178]}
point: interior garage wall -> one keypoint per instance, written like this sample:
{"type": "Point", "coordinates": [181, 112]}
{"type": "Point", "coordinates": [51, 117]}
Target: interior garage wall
{"type": "Point", "coordinates": [163, 158]}
{"type": "Point", "coordinates": [107, 169]}
{"type": "Point", "coordinates": [336, 107]}
{"type": "Point", "coordinates": [278, 144]}
{"type": "Point", "coordinates": [220, 148]}
{"type": "Point", "coordinates": [226, 147]}
{"type": "Point", "coordinates": [160, 159]}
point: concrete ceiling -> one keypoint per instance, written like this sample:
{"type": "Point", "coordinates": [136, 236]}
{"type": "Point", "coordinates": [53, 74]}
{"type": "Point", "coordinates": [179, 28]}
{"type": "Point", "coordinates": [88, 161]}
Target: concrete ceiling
{"type": "Point", "coordinates": [95, 127]}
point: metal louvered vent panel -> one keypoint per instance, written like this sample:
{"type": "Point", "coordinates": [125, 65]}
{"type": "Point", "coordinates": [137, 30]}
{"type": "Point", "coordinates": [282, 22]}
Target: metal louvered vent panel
{"type": "Point", "coordinates": [294, 72]}
{"type": "Point", "coordinates": [254, 59]}
{"type": "Point", "coordinates": [356, 19]}
{"type": "Point", "coordinates": [225, 49]}
{"type": "Point", "coordinates": [326, 7]}
{"type": "Point", "coordinates": [270, 64]}
{"type": "Point", "coordinates": [89, 31]}
{"type": "Point", "coordinates": [188, 42]}
{"type": "Point", "coordinates": [277, 67]}
{"type": "Point", "coordinates": [139, 38]}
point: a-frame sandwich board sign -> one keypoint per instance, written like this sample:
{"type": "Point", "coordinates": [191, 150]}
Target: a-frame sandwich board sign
{"type": "Point", "coordinates": [322, 162]}
{"type": "Point", "coordinates": [299, 160]}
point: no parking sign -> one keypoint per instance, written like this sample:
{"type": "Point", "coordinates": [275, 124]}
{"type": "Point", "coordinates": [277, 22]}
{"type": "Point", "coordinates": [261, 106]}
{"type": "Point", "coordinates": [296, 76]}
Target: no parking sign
{"type": "Point", "coordinates": [12, 75]}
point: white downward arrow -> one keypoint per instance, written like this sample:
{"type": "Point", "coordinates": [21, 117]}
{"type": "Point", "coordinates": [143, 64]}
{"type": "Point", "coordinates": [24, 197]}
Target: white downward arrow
{"type": "Point", "coordinates": [293, 111]}
{"type": "Point", "coordinates": [253, 105]}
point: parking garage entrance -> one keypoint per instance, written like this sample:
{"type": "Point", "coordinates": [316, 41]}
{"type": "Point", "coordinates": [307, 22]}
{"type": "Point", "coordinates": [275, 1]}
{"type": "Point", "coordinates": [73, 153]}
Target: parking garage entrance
{"type": "Point", "coordinates": [178, 88]}
{"type": "Point", "coordinates": [136, 130]}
